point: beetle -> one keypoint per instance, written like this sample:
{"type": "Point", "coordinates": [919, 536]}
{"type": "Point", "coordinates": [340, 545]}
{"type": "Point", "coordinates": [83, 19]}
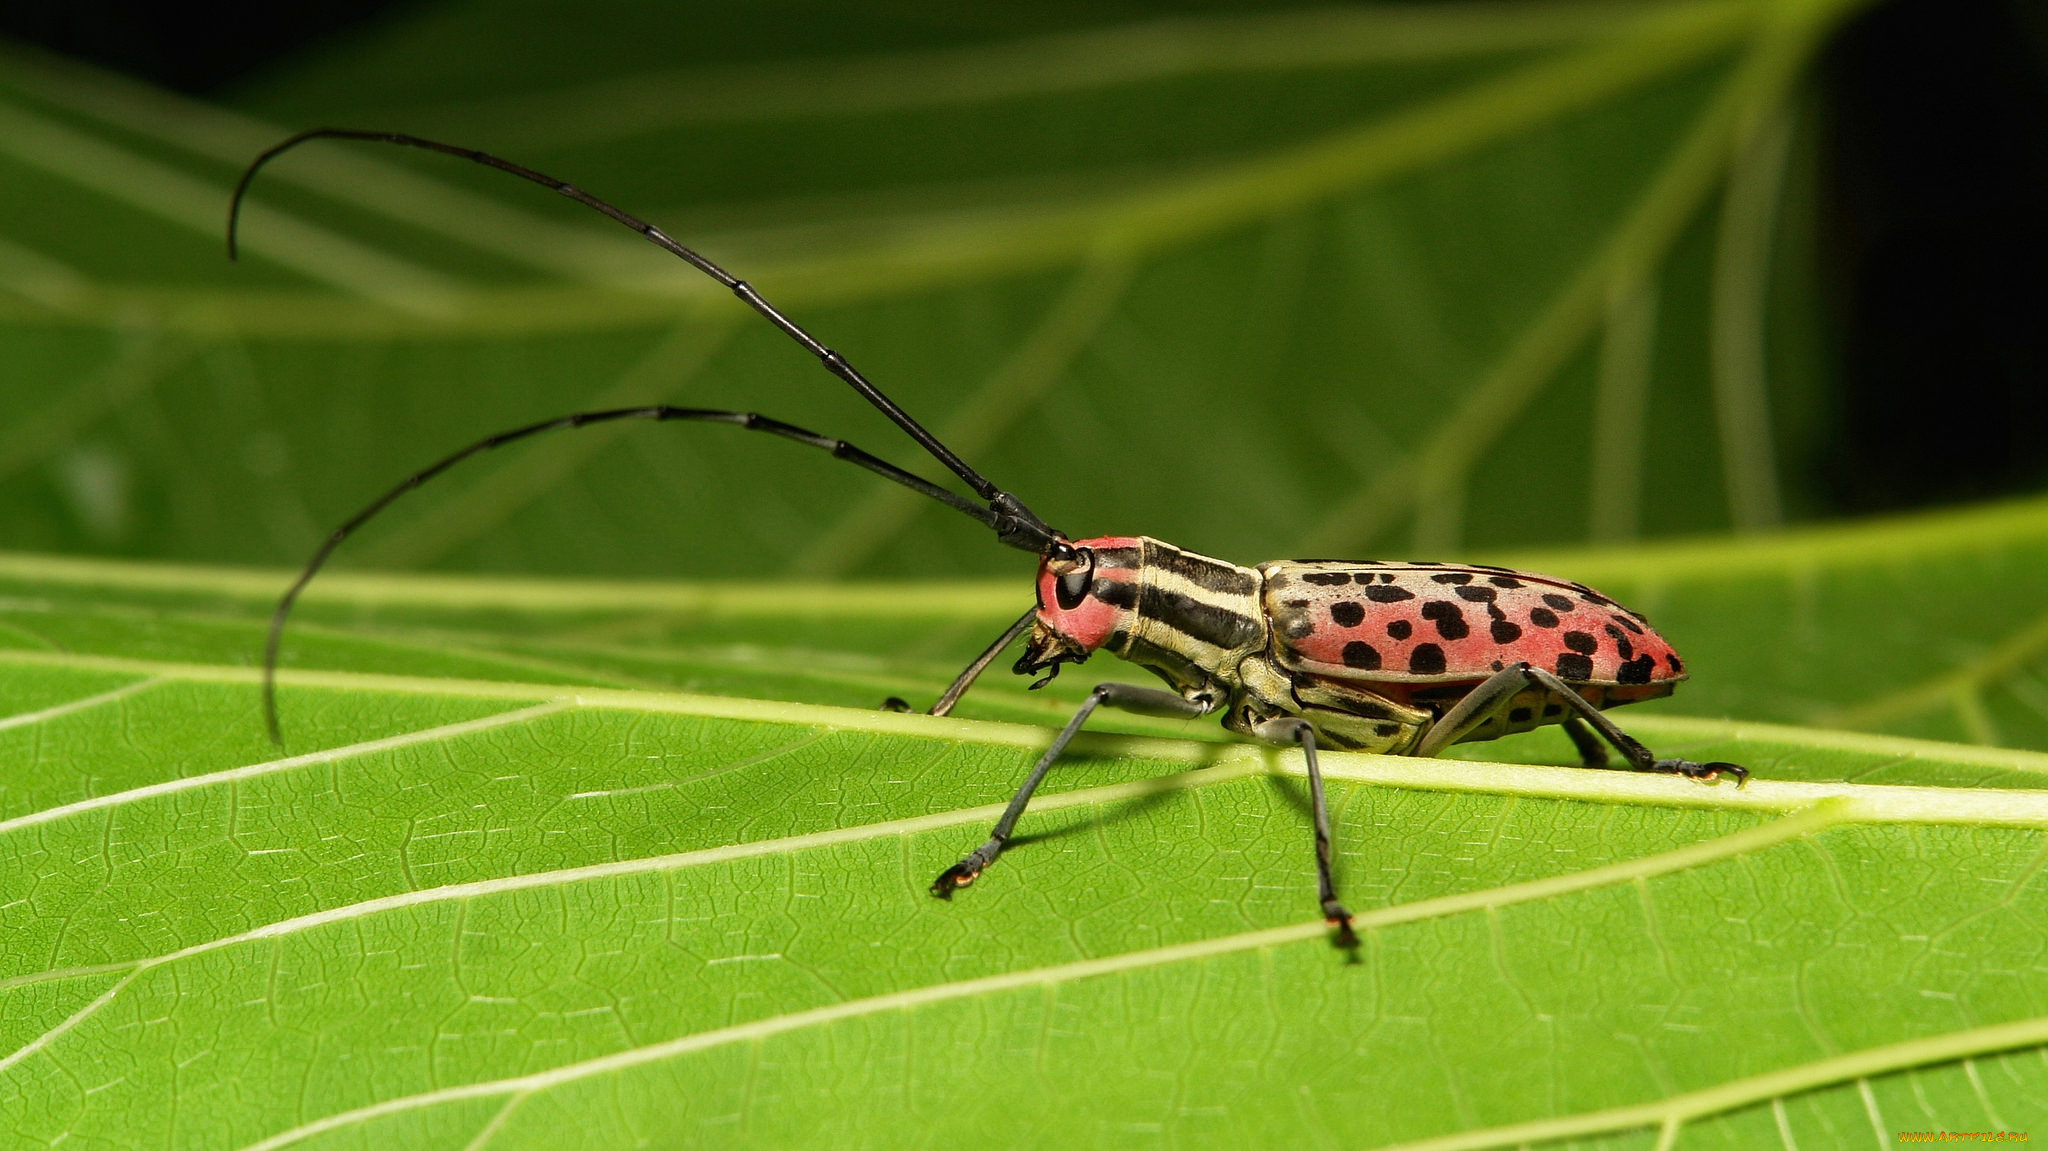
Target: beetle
{"type": "Point", "coordinates": [1395, 658]}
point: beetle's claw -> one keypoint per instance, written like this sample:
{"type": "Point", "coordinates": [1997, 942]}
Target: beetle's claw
{"type": "Point", "coordinates": [1704, 772]}
{"type": "Point", "coordinates": [955, 877]}
{"type": "Point", "coordinates": [1740, 772]}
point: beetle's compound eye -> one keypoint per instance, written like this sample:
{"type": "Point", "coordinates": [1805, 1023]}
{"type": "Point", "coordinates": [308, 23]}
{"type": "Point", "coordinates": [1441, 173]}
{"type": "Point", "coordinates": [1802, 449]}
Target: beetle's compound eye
{"type": "Point", "coordinates": [1072, 586]}
{"type": "Point", "coordinates": [1062, 552]}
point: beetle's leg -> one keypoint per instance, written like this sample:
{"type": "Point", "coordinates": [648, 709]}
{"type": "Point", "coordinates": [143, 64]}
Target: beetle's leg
{"type": "Point", "coordinates": [1144, 700]}
{"type": "Point", "coordinates": [973, 670]}
{"type": "Point", "coordinates": [1592, 753]}
{"type": "Point", "coordinates": [1293, 729]}
{"type": "Point", "coordinates": [1639, 757]}
{"type": "Point", "coordinates": [1482, 703]}
{"type": "Point", "coordinates": [1479, 707]}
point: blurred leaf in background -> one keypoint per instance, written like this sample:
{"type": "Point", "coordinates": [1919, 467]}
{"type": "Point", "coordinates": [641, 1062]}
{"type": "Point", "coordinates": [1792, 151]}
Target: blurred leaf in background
{"type": "Point", "coordinates": [1260, 281]}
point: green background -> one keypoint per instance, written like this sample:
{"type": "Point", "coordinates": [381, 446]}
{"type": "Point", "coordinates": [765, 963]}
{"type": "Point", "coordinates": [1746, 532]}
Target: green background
{"type": "Point", "coordinates": [548, 850]}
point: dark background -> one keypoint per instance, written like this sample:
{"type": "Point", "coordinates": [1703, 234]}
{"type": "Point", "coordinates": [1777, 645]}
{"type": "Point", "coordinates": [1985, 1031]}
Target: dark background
{"type": "Point", "coordinates": [1934, 239]}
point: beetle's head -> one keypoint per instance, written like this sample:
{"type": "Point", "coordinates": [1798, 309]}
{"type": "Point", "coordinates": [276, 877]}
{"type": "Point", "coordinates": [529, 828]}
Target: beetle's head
{"type": "Point", "coordinates": [1086, 589]}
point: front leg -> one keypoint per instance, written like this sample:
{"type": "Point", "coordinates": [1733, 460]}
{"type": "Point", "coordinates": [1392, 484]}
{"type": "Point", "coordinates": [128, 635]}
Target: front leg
{"type": "Point", "coordinates": [1143, 700]}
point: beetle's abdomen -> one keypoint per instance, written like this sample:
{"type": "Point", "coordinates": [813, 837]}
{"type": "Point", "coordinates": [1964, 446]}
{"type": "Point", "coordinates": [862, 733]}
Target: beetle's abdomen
{"type": "Point", "coordinates": [1441, 623]}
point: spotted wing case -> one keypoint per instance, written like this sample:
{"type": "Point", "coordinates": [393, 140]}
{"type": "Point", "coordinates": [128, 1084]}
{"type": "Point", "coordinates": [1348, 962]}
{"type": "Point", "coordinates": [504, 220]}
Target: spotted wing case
{"type": "Point", "coordinates": [1443, 623]}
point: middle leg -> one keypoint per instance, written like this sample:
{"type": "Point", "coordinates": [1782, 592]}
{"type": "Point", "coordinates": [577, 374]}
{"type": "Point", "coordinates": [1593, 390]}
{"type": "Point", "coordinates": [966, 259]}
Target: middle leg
{"type": "Point", "coordinates": [1293, 729]}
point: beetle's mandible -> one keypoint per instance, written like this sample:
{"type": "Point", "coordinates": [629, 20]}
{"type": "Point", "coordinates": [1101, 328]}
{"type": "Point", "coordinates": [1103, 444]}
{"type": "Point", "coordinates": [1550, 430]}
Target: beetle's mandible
{"type": "Point", "coordinates": [1397, 658]}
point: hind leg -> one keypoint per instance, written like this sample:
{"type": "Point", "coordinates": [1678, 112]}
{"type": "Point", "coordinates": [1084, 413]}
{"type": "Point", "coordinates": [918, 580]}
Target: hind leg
{"type": "Point", "coordinates": [1592, 753]}
{"type": "Point", "coordinates": [1484, 702]}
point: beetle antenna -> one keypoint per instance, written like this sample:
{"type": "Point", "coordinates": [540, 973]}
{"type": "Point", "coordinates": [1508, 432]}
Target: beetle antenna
{"type": "Point", "coordinates": [1014, 523]}
{"type": "Point", "coordinates": [750, 421]}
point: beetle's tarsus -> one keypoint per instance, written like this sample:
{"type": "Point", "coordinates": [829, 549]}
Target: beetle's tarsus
{"type": "Point", "coordinates": [967, 870]}
{"type": "Point", "coordinates": [895, 703]}
{"type": "Point", "coordinates": [1343, 938]}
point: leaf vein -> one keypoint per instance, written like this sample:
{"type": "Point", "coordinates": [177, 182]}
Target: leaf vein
{"type": "Point", "coordinates": [250, 771]}
{"type": "Point", "coordinates": [53, 712]}
{"type": "Point", "coordinates": [1723, 847]}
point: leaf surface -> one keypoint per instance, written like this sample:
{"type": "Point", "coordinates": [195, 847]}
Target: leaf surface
{"type": "Point", "coordinates": [463, 907]}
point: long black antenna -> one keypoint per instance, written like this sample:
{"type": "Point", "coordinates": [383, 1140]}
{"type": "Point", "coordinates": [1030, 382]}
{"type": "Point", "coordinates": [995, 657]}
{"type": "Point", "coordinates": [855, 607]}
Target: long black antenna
{"type": "Point", "coordinates": [752, 422]}
{"type": "Point", "coordinates": [1015, 524]}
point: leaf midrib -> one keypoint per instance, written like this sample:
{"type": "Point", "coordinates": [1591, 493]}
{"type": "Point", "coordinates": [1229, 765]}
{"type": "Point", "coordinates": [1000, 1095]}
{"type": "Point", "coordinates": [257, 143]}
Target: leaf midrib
{"type": "Point", "coordinates": [1879, 803]}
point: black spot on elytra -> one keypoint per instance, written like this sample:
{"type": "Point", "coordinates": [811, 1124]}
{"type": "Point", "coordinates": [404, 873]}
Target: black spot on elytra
{"type": "Point", "coordinates": [1542, 617]}
{"type": "Point", "coordinates": [1301, 628]}
{"type": "Point", "coordinates": [1628, 623]}
{"type": "Point", "coordinates": [1426, 659]}
{"type": "Point", "coordinates": [1580, 642]}
{"type": "Point", "coordinates": [1400, 629]}
{"type": "Point", "coordinates": [1677, 668]}
{"type": "Point", "coordinates": [1326, 579]}
{"type": "Point", "coordinates": [1593, 597]}
{"type": "Point", "coordinates": [1450, 621]}
{"type": "Point", "coordinates": [1521, 715]}
{"type": "Point", "coordinates": [1453, 577]}
{"type": "Point", "coordinates": [1636, 670]}
{"type": "Point", "coordinates": [1350, 613]}
{"type": "Point", "coordinates": [1381, 593]}
{"type": "Point", "coordinates": [1476, 594]}
{"type": "Point", "coordinates": [1386, 577]}
{"type": "Point", "coordinates": [1572, 665]}
{"type": "Point", "coordinates": [1503, 581]}
{"type": "Point", "coordinates": [1362, 656]}
{"type": "Point", "coordinates": [1505, 632]}
{"type": "Point", "coordinates": [1558, 602]}
{"type": "Point", "coordinates": [1621, 643]}
{"type": "Point", "coordinates": [1499, 666]}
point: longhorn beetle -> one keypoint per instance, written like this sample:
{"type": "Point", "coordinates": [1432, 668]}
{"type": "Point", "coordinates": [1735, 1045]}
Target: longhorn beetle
{"type": "Point", "coordinates": [1396, 658]}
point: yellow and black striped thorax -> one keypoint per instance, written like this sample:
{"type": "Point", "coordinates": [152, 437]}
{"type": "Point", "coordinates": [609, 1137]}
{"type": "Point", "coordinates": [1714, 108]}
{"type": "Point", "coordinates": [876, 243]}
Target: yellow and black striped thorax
{"type": "Point", "coordinates": [1189, 618]}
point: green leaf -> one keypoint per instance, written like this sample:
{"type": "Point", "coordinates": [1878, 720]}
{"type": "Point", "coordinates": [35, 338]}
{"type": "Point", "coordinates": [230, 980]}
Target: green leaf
{"type": "Point", "coordinates": [1264, 282]}
{"type": "Point", "coordinates": [624, 863]}
{"type": "Point", "coordinates": [482, 899]}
